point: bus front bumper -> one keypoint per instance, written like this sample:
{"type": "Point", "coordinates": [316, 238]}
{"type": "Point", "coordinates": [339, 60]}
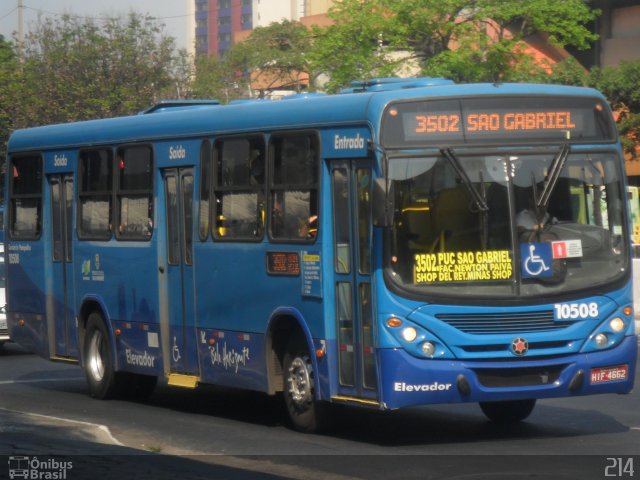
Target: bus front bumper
{"type": "Point", "coordinates": [410, 381]}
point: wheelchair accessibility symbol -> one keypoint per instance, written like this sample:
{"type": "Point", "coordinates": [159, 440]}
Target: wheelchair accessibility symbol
{"type": "Point", "coordinates": [536, 260]}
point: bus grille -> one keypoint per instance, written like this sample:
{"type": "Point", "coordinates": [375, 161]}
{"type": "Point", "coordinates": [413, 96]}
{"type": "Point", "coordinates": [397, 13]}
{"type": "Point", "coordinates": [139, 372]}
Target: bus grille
{"type": "Point", "coordinates": [492, 323]}
{"type": "Point", "coordinates": [519, 377]}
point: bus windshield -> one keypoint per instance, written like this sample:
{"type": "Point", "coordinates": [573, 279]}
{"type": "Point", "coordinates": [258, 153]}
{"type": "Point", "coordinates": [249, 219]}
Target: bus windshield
{"type": "Point", "coordinates": [495, 231]}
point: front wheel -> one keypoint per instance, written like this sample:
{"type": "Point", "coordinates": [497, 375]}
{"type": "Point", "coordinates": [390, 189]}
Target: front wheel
{"type": "Point", "coordinates": [510, 411]}
{"type": "Point", "coordinates": [305, 412]}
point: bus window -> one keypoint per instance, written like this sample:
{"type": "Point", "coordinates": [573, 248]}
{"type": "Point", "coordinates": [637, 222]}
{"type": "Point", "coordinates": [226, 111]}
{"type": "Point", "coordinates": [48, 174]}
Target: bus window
{"type": "Point", "coordinates": [364, 220]}
{"type": "Point", "coordinates": [294, 187]}
{"type": "Point", "coordinates": [26, 197]}
{"type": "Point", "coordinates": [95, 194]}
{"type": "Point", "coordinates": [239, 188]}
{"type": "Point", "coordinates": [135, 190]}
{"type": "Point", "coordinates": [341, 220]}
{"type": "Point", "coordinates": [205, 189]}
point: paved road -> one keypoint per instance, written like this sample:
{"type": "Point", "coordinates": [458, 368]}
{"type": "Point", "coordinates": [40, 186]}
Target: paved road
{"type": "Point", "coordinates": [215, 433]}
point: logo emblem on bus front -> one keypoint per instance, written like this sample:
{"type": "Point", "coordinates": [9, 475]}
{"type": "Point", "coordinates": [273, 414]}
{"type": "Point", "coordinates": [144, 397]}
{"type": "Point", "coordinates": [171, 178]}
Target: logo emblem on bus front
{"type": "Point", "coordinates": [519, 346]}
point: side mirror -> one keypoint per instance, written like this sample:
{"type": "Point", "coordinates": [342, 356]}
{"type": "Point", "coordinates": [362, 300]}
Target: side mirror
{"type": "Point", "coordinates": [383, 203]}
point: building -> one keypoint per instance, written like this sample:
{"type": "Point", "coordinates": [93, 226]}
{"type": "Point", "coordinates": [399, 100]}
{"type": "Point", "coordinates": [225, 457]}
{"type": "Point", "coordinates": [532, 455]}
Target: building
{"type": "Point", "coordinates": [618, 27]}
{"type": "Point", "coordinates": [220, 23]}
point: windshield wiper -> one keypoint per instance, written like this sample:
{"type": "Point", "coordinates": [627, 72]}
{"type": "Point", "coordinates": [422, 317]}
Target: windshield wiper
{"type": "Point", "coordinates": [455, 163]}
{"type": "Point", "coordinates": [552, 177]}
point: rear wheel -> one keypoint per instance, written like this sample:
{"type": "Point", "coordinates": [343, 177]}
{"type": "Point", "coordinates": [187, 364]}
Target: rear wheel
{"type": "Point", "coordinates": [104, 381]}
{"type": "Point", "coordinates": [305, 412]}
{"type": "Point", "coordinates": [510, 411]}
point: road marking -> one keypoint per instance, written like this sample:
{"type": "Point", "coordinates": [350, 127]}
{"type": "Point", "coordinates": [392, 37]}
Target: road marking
{"type": "Point", "coordinates": [103, 428]}
{"type": "Point", "coordinates": [41, 380]}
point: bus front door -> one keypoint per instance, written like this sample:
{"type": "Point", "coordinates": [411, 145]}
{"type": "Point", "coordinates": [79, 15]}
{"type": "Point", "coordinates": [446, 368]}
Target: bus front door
{"type": "Point", "coordinates": [178, 331]}
{"type": "Point", "coordinates": [63, 342]}
{"type": "Point", "coordinates": [351, 192]}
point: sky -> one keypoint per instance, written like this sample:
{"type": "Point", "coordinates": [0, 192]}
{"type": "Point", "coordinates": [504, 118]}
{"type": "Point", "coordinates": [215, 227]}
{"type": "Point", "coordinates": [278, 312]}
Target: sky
{"type": "Point", "coordinates": [173, 13]}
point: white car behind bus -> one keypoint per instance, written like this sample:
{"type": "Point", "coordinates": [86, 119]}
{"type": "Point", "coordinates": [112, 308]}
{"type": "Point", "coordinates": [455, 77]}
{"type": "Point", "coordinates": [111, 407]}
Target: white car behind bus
{"type": "Point", "coordinates": [4, 333]}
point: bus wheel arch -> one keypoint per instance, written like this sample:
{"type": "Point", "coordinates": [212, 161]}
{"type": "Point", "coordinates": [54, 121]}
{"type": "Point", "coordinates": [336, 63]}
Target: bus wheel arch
{"type": "Point", "coordinates": [283, 328]}
{"type": "Point", "coordinates": [292, 370]}
{"type": "Point", "coordinates": [99, 358]}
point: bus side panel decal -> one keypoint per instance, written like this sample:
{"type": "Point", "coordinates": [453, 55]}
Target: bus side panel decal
{"type": "Point", "coordinates": [234, 359]}
{"type": "Point", "coordinates": [60, 161]}
{"type": "Point", "coordinates": [176, 153]}
{"type": "Point", "coordinates": [345, 143]}
{"type": "Point", "coordinates": [138, 347]}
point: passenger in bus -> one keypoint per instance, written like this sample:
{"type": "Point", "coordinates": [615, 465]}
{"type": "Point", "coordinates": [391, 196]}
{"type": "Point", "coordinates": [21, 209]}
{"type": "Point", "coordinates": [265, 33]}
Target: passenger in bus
{"type": "Point", "coordinates": [256, 167]}
{"type": "Point", "coordinates": [309, 229]}
{"type": "Point", "coordinates": [529, 219]}
{"type": "Point", "coordinates": [291, 222]}
{"type": "Point", "coordinates": [282, 225]}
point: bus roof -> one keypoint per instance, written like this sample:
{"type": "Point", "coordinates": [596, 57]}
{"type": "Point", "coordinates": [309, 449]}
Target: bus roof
{"type": "Point", "coordinates": [211, 119]}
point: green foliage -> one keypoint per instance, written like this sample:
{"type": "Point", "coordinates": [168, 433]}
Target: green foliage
{"type": "Point", "coordinates": [78, 69]}
{"type": "Point", "coordinates": [218, 79]}
{"type": "Point", "coordinates": [353, 48]}
{"type": "Point", "coordinates": [568, 72]}
{"type": "Point", "coordinates": [8, 67]}
{"type": "Point", "coordinates": [621, 85]}
{"type": "Point", "coordinates": [465, 40]}
{"type": "Point", "coordinates": [273, 55]}
{"type": "Point", "coordinates": [275, 51]}
{"type": "Point", "coordinates": [75, 69]}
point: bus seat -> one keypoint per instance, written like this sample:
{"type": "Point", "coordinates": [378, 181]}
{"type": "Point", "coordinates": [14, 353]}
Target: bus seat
{"type": "Point", "coordinates": [417, 221]}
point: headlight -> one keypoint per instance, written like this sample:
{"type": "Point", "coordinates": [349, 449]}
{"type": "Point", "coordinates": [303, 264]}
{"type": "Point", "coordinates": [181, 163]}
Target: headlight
{"type": "Point", "coordinates": [616, 324]}
{"type": "Point", "coordinates": [409, 334]}
{"type": "Point", "coordinates": [428, 349]}
{"type": "Point", "coordinates": [601, 340]}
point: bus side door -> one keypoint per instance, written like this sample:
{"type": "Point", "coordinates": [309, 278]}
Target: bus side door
{"type": "Point", "coordinates": [351, 193]}
{"type": "Point", "coordinates": [60, 311]}
{"type": "Point", "coordinates": [180, 294]}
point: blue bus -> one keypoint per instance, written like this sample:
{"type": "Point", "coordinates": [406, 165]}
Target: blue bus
{"type": "Point", "coordinates": [405, 242]}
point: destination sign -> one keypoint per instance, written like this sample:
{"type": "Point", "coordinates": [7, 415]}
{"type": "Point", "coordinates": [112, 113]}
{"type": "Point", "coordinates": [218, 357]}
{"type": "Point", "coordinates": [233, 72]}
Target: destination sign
{"type": "Point", "coordinates": [462, 266]}
{"type": "Point", "coordinates": [283, 263]}
{"type": "Point", "coordinates": [505, 120]}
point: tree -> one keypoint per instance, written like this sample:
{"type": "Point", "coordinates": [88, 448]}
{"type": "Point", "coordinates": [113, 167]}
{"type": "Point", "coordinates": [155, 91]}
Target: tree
{"type": "Point", "coordinates": [466, 40]}
{"type": "Point", "coordinates": [276, 55]}
{"type": "Point", "coordinates": [621, 85]}
{"type": "Point", "coordinates": [273, 57]}
{"type": "Point", "coordinates": [8, 66]}
{"type": "Point", "coordinates": [220, 79]}
{"type": "Point", "coordinates": [75, 69]}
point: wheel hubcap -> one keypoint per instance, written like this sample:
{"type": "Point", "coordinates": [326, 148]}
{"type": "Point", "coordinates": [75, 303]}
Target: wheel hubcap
{"type": "Point", "coordinates": [300, 381]}
{"type": "Point", "coordinates": [95, 361]}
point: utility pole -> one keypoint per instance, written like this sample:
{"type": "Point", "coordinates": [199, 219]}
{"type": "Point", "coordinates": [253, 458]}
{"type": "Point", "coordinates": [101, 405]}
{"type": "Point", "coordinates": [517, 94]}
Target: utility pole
{"type": "Point", "coordinates": [20, 30]}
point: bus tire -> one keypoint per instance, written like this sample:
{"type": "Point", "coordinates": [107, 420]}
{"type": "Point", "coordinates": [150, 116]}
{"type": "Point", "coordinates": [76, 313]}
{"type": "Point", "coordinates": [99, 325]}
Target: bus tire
{"type": "Point", "coordinates": [305, 412]}
{"type": "Point", "coordinates": [510, 411]}
{"type": "Point", "coordinates": [104, 382]}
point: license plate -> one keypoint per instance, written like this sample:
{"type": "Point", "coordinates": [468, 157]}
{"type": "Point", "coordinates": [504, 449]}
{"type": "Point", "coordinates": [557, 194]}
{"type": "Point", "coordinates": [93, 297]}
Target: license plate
{"type": "Point", "coordinates": [609, 374]}
{"type": "Point", "coordinates": [3, 323]}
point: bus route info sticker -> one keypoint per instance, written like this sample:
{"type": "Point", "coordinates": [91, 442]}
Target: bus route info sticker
{"type": "Point", "coordinates": [311, 274]}
{"type": "Point", "coordinates": [462, 266]}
